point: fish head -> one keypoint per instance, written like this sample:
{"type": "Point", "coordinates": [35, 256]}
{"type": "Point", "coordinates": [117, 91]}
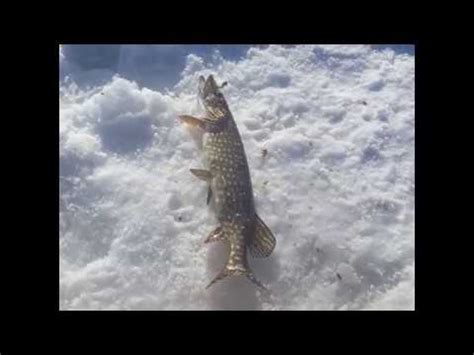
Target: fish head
{"type": "Point", "coordinates": [212, 99]}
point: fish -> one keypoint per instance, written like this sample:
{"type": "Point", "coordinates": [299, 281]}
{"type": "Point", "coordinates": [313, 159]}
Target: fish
{"type": "Point", "coordinates": [229, 185]}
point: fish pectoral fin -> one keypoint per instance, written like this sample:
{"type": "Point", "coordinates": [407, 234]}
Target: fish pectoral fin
{"type": "Point", "coordinates": [215, 235]}
{"type": "Point", "coordinates": [193, 121]}
{"type": "Point", "coordinates": [263, 242]}
{"type": "Point", "coordinates": [209, 195]}
{"type": "Point", "coordinates": [206, 176]}
{"type": "Point", "coordinates": [202, 174]}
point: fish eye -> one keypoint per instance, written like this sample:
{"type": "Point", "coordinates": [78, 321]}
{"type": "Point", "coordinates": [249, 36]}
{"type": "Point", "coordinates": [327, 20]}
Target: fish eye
{"type": "Point", "coordinates": [214, 96]}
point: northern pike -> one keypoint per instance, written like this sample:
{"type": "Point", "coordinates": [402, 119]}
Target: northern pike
{"type": "Point", "coordinates": [230, 187]}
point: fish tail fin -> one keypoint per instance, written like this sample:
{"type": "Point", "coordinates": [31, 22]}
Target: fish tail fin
{"type": "Point", "coordinates": [235, 272]}
{"type": "Point", "coordinates": [255, 281]}
{"type": "Point", "coordinates": [223, 274]}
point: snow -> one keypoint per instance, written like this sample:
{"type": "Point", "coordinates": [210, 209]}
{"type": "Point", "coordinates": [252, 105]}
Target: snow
{"type": "Point", "coordinates": [336, 186]}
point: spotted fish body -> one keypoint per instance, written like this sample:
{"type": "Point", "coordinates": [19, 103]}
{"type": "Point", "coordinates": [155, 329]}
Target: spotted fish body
{"type": "Point", "coordinates": [230, 186]}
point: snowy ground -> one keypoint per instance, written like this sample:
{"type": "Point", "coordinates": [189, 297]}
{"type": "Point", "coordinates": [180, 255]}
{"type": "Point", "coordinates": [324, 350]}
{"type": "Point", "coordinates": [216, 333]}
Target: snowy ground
{"type": "Point", "coordinates": [336, 187]}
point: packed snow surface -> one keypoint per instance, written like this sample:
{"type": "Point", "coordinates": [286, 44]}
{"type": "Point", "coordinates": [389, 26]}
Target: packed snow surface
{"type": "Point", "coordinates": [336, 186]}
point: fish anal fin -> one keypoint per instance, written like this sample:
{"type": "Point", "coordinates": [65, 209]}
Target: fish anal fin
{"type": "Point", "coordinates": [216, 235]}
{"type": "Point", "coordinates": [263, 241]}
{"type": "Point", "coordinates": [202, 174]}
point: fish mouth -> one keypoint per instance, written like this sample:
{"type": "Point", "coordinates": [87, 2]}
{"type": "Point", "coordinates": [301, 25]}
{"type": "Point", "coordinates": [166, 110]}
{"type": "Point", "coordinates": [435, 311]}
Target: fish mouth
{"type": "Point", "coordinates": [207, 87]}
{"type": "Point", "coordinates": [210, 97]}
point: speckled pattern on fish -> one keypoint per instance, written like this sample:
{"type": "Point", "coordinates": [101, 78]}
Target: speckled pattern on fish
{"type": "Point", "coordinates": [230, 186]}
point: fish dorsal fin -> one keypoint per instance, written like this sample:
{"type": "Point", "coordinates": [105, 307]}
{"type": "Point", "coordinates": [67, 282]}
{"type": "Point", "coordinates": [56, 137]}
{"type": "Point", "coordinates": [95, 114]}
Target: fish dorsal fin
{"type": "Point", "coordinates": [263, 242]}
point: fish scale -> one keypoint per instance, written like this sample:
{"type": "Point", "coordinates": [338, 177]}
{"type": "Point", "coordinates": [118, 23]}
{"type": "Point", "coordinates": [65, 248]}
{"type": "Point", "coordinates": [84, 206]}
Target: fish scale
{"type": "Point", "coordinates": [230, 185]}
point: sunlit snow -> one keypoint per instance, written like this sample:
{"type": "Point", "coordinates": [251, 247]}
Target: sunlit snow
{"type": "Point", "coordinates": [336, 186]}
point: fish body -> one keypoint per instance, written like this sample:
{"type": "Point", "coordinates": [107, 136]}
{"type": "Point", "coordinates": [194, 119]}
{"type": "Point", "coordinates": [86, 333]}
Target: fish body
{"type": "Point", "coordinates": [230, 185]}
